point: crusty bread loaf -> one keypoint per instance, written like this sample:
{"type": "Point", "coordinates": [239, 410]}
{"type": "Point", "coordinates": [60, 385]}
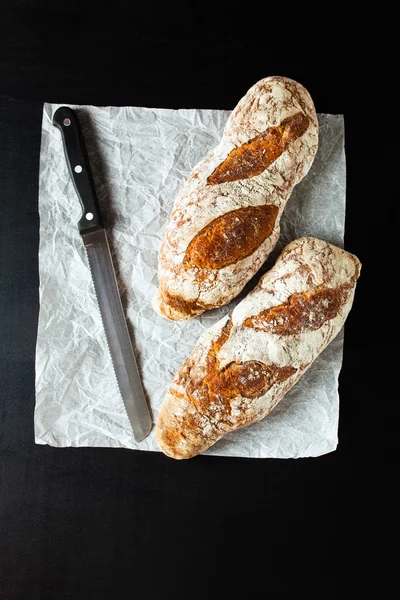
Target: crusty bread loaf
{"type": "Point", "coordinates": [225, 221]}
{"type": "Point", "coordinates": [245, 364]}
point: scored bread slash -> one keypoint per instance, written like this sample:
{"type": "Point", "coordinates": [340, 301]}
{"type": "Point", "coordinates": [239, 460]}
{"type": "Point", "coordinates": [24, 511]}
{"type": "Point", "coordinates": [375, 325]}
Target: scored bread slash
{"type": "Point", "coordinates": [226, 219]}
{"type": "Point", "coordinates": [95, 240]}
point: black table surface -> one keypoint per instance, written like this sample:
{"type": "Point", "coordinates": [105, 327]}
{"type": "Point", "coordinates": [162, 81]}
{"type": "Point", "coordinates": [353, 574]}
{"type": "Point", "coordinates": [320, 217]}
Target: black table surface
{"type": "Point", "coordinates": [102, 523]}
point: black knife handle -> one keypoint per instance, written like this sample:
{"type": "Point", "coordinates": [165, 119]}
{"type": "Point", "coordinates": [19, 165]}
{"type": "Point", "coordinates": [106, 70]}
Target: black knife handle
{"type": "Point", "coordinates": [78, 163]}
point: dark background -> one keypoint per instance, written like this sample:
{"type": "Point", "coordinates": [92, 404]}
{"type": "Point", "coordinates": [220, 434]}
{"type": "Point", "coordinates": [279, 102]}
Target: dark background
{"type": "Point", "coordinates": [99, 523]}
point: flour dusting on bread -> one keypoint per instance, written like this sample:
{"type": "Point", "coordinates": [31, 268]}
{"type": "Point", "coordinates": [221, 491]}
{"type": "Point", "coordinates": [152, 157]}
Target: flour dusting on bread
{"type": "Point", "coordinates": [245, 364]}
{"type": "Point", "coordinates": [268, 146]}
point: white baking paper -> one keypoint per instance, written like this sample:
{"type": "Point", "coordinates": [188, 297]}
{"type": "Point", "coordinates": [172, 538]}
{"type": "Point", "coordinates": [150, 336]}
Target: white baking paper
{"type": "Point", "coordinates": [140, 158]}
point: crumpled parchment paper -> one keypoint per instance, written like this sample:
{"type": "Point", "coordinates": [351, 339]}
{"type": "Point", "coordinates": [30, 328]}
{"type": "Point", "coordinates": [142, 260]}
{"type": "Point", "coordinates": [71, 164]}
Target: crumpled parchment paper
{"type": "Point", "coordinates": [140, 158]}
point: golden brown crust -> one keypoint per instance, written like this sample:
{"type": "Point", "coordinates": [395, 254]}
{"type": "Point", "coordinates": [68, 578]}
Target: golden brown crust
{"type": "Point", "coordinates": [269, 143]}
{"type": "Point", "coordinates": [245, 364]}
{"type": "Point", "coordinates": [185, 308]}
{"type": "Point", "coordinates": [251, 159]}
{"type": "Point", "coordinates": [181, 430]}
{"type": "Point", "coordinates": [302, 311]}
{"type": "Point", "coordinates": [231, 237]}
{"type": "Point", "coordinates": [216, 389]}
{"type": "Point", "coordinates": [206, 402]}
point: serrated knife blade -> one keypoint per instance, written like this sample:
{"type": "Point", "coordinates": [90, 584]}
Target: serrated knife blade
{"type": "Point", "coordinates": [97, 247]}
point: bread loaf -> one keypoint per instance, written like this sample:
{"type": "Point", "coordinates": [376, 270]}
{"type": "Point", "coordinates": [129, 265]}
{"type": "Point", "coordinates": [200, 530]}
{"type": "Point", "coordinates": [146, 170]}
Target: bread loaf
{"type": "Point", "coordinates": [225, 221]}
{"type": "Point", "coordinates": [245, 364]}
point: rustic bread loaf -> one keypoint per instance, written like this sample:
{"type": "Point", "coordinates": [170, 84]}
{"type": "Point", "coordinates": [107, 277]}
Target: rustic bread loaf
{"type": "Point", "coordinates": [225, 221]}
{"type": "Point", "coordinates": [244, 365]}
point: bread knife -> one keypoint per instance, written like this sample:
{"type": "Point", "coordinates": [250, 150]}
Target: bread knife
{"type": "Point", "coordinates": [95, 240]}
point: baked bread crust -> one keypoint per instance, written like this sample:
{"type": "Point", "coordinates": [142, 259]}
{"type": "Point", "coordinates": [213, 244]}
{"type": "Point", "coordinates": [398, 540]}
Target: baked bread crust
{"type": "Point", "coordinates": [244, 365]}
{"type": "Point", "coordinates": [225, 221]}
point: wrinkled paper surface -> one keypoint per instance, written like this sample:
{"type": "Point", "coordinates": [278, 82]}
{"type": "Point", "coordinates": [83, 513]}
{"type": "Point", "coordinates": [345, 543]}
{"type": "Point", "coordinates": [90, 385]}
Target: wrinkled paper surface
{"type": "Point", "coordinates": [140, 158]}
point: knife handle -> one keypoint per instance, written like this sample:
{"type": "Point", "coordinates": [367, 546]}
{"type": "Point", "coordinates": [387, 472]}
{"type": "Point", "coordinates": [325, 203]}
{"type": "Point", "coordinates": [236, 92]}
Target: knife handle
{"type": "Point", "coordinates": [67, 122]}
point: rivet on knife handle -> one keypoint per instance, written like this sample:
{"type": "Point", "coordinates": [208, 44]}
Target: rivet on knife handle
{"type": "Point", "coordinates": [105, 283]}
